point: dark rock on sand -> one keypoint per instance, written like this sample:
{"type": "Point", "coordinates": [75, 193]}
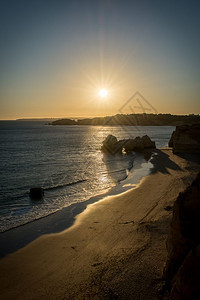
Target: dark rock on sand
{"type": "Point", "coordinates": [112, 145]}
{"type": "Point", "coordinates": [186, 138]}
{"type": "Point", "coordinates": [183, 238]}
{"type": "Point", "coordinates": [36, 193]}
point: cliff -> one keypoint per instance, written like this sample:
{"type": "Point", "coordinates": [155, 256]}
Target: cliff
{"type": "Point", "coordinates": [182, 271]}
{"type": "Point", "coordinates": [186, 139]}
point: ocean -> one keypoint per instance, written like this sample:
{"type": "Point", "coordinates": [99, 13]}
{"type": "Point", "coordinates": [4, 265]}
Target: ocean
{"type": "Point", "coordinates": [67, 162]}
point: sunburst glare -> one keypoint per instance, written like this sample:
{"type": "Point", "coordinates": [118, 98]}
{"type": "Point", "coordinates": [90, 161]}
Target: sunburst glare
{"type": "Point", "coordinates": [103, 93]}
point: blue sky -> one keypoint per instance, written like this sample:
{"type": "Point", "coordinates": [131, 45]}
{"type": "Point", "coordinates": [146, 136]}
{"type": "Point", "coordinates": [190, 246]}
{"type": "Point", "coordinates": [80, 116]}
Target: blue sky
{"type": "Point", "coordinates": [56, 55]}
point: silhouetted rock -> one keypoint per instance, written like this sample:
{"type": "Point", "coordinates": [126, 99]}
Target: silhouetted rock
{"type": "Point", "coordinates": [64, 122]}
{"type": "Point", "coordinates": [36, 193]}
{"type": "Point", "coordinates": [170, 144]}
{"type": "Point", "coordinates": [184, 234]}
{"type": "Point", "coordinates": [186, 138]}
{"type": "Point", "coordinates": [148, 143]}
{"type": "Point", "coordinates": [112, 145]}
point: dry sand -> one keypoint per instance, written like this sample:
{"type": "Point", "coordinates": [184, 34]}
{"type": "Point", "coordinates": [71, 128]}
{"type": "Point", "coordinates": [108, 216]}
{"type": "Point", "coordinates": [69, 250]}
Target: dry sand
{"type": "Point", "coordinates": [115, 249]}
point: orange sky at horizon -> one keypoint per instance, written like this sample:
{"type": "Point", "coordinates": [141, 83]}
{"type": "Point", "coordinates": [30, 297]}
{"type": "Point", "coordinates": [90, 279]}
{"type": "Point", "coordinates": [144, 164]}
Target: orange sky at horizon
{"type": "Point", "coordinates": [55, 57]}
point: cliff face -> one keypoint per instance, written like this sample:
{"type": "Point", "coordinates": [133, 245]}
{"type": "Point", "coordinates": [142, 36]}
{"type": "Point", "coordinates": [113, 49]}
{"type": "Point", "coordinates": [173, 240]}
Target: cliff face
{"type": "Point", "coordinates": [186, 138]}
{"type": "Point", "coordinates": [182, 271]}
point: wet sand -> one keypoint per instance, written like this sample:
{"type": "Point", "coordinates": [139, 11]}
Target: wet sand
{"type": "Point", "coordinates": [114, 250]}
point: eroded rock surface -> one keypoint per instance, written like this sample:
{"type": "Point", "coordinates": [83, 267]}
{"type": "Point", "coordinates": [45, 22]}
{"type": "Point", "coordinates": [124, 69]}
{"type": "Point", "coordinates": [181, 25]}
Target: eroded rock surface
{"type": "Point", "coordinates": [183, 244]}
{"type": "Point", "coordinates": [186, 139]}
{"type": "Point", "coordinates": [112, 145]}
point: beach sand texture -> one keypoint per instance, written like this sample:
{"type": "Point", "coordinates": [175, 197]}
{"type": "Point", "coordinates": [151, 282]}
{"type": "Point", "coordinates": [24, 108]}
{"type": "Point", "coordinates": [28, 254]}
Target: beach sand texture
{"type": "Point", "coordinates": [115, 250]}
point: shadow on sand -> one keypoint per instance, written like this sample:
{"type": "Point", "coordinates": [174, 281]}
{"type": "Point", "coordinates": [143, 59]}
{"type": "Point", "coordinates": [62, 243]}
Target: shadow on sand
{"type": "Point", "coordinates": [162, 163]}
{"type": "Point", "coordinates": [192, 157]}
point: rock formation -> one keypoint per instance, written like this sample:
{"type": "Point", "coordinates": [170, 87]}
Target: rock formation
{"type": "Point", "coordinates": [170, 144]}
{"type": "Point", "coordinates": [186, 138]}
{"type": "Point", "coordinates": [113, 146]}
{"type": "Point", "coordinates": [64, 122]}
{"type": "Point", "coordinates": [36, 193]}
{"type": "Point", "coordinates": [183, 245]}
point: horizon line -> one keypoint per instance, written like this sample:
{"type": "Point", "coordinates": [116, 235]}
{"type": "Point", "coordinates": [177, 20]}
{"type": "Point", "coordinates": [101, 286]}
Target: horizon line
{"type": "Point", "coordinates": [91, 117]}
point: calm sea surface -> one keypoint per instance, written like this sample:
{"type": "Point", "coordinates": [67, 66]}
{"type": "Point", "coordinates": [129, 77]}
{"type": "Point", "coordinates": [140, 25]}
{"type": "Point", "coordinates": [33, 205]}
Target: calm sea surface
{"type": "Point", "coordinates": [67, 162]}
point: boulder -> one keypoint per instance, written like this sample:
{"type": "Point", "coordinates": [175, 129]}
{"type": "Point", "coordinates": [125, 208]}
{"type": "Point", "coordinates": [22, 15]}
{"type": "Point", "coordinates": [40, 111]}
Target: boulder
{"type": "Point", "coordinates": [147, 142]}
{"type": "Point", "coordinates": [184, 233]}
{"type": "Point", "coordinates": [36, 193]}
{"type": "Point", "coordinates": [138, 144]}
{"type": "Point", "coordinates": [112, 145]}
{"type": "Point", "coordinates": [186, 139]}
{"type": "Point", "coordinates": [130, 144]}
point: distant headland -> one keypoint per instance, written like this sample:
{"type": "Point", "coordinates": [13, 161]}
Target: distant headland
{"type": "Point", "coordinates": [36, 119]}
{"type": "Point", "coordinates": [133, 120]}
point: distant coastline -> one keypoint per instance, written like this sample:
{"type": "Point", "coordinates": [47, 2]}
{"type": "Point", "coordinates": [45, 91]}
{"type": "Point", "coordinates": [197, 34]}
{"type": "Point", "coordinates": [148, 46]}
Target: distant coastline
{"type": "Point", "coordinates": [36, 119]}
{"type": "Point", "coordinates": [133, 120]}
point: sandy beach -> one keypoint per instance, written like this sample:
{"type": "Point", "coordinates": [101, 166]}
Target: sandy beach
{"type": "Point", "coordinates": [114, 250]}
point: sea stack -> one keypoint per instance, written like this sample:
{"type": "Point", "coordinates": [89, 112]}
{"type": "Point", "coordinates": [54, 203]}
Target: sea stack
{"type": "Point", "coordinates": [112, 145]}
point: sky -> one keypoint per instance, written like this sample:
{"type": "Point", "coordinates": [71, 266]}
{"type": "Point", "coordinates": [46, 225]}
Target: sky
{"type": "Point", "coordinates": [55, 56]}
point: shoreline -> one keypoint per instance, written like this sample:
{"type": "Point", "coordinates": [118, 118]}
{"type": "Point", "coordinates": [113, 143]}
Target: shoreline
{"type": "Point", "coordinates": [18, 237]}
{"type": "Point", "coordinates": [116, 246]}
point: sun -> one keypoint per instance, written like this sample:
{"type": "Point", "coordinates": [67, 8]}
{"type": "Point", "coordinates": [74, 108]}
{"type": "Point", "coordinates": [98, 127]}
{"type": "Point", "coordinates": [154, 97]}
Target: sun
{"type": "Point", "coordinates": [103, 93]}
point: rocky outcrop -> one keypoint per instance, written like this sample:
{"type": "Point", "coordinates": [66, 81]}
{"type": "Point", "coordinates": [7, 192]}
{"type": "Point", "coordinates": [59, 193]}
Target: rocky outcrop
{"type": "Point", "coordinates": [170, 144]}
{"type": "Point", "coordinates": [64, 122]}
{"type": "Point", "coordinates": [186, 139]}
{"type": "Point", "coordinates": [183, 243]}
{"type": "Point", "coordinates": [113, 146]}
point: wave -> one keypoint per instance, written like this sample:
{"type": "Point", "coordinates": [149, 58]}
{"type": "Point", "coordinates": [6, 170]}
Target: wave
{"type": "Point", "coordinates": [64, 185]}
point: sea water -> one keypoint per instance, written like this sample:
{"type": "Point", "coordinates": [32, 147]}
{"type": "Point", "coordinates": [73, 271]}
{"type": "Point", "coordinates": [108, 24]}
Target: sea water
{"type": "Point", "coordinates": [67, 162]}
